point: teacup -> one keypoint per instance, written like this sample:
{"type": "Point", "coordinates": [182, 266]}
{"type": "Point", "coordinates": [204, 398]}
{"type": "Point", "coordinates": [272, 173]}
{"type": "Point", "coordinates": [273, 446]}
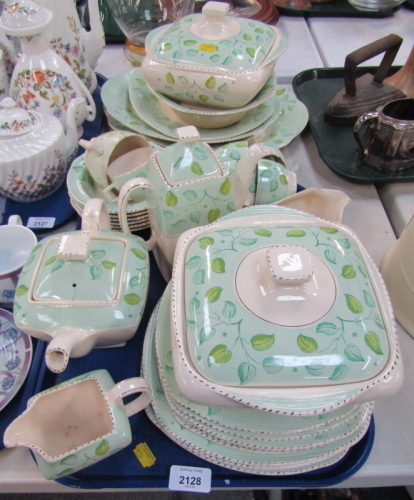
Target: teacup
{"type": "Point", "coordinates": [388, 143]}
{"type": "Point", "coordinates": [79, 422]}
{"type": "Point", "coordinates": [16, 243]}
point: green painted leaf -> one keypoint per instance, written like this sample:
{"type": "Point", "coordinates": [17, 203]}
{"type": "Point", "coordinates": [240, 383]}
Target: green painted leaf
{"type": "Point", "coordinates": [169, 78]}
{"type": "Point", "coordinates": [283, 179]}
{"type": "Point", "coordinates": [139, 253]}
{"type": "Point", "coordinates": [373, 342]}
{"type": "Point", "coordinates": [132, 299]}
{"type": "Point", "coordinates": [273, 365]}
{"type": "Point", "coordinates": [30, 260]}
{"type": "Point", "coordinates": [169, 370]}
{"type": "Point", "coordinates": [219, 354]}
{"type": "Point", "coordinates": [251, 51]}
{"type": "Point", "coordinates": [368, 299]}
{"type": "Point", "coordinates": [213, 294]}
{"type": "Point", "coordinates": [178, 54]}
{"type": "Point", "coordinates": [296, 233]}
{"type": "Point", "coordinates": [177, 163]}
{"type": "Point", "coordinates": [223, 88]}
{"type": "Point", "coordinates": [259, 30]}
{"type": "Point", "coordinates": [329, 230]}
{"type": "Point", "coordinates": [339, 373]}
{"type": "Point", "coordinates": [248, 37]}
{"type": "Point", "coordinates": [273, 186]}
{"type": "Point", "coordinates": [166, 46]}
{"type": "Point", "coordinates": [200, 154]}
{"type": "Point", "coordinates": [107, 264]}
{"type": "Point", "coordinates": [218, 98]}
{"type": "Point", "coordinates": [213, 410]}
{"type": "Point", "coordinates": [330, 255]}
{"type": "Point", "coordinates": [280, 91]}
{"type": "Point", "coordinates": [326, 328]}
{"type": "Point", "coordinates": [195, 304]}
{"type": "Point", "coordinates": [189, 43]}
{"type": "Point", "coordinates": [196, 168]}
{"type": "Point", "coordinates": [21, 290]}
{"type": "Point", "coordinates": [170, 199]}
{"type": "Point", "coordinates": [231, 206]}
{"type": "Point", "coordinates": [307, 344]}
{"type": "Point", "coordinates": [167, 214]}
{"type": "Point", "coordinates": [69, 460]}
{"type": "Point", "coordinates": [213, 214]}
{"type": "Point", "coordinates": [247, 241]}
{"type": "Point", "coordinates": [229, 309]}
{"type": "Point", "coordinates": [50, 260]}
{"type": "Point", "coordinates": [225, 232]}
{"type": "Point", "coordinates": [228, 60]}
{"type": "Point", "coordinates": [195, 216]}
{"type": "Point", "coordinates": [353, 353]}
{"type": "Point", "coordinates": [36, 248]}
{"type": "Point", "coordinates": [246, 372]}
{"type": "Point", "coordinates": [210, 82]}
{"type": "Point", "coordinates": [263, 232]}
{"type": "Point", "coordinates": [199, 277]}
{"type": "Point", "coordinates": [348, 272]}
{"type": "Point", "coordinates": [345, 243]}
{"type": "Point", "coordinates": [136, 280]}
{"type": "Point", "coordinates": [203, 98]}
{"type": "Point", "coordinates": [96, 272]}
{"type": "Point", "coordinates": [361, 269]}
{"type": "Point", "coordinates": [218, 265]}
{"type": "Point", "coordinates": [378, 321]}
{"type": "Point", "coordinates": [169, 357]}
{"type": "Point", "coordinates": [98, 254]}
{"type": "Point", "coordinates": [193, 262]}
{"type": "Point", "coordinates": [225, 187]}
{"type": "Point", "coordinates": [315, 368]}
{"type": "Point", "coordinates": [354, 305]}
{"type": "Point", "coordinates": [266, 174]}
{"type": "Point", "coordinates": [215, 58]}
{"type": "Point", "coordinates": [205, 242]}
{"type": "Point", "coordinates": [183, 80]}
{"type": "Point", "coordinates": [102, 448]}
{"type": "Point", "coordinates": [262, 342]}
{"type": "Point", "coordinates": [206, 334]}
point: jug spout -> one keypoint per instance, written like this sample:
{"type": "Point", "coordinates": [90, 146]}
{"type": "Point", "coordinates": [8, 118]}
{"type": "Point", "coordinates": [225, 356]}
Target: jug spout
{"type": "Point", "coordinates": [66, 343]}
{"type": "Point", "coordinates": [22, 432]}
{"type": "Point", "coordinates": [94, 39]}
{"type": "Point", "coordinates": [242, 174]}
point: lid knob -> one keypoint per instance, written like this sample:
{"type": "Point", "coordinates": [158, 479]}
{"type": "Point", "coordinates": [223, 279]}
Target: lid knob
{"type": "Point", "coordinates": [74, 246]}
{"type": "Point", "coordinates": [24, 18]}
{"type": "Point", "coordinates": [215, 25]}
{"type": "Point", "coordinates": [15, 121]}
{"type": "Point", "coordinates": [289, 264]}
{"type": "Point", "coordinates": [188, 134]}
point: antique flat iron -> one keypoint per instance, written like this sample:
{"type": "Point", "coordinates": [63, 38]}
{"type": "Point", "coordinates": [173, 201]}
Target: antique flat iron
{"type": "Point", "coordinates": [367, 92]}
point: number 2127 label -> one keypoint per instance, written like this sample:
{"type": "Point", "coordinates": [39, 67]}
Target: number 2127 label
{"type": "Point", "coordinates": [196, 479]}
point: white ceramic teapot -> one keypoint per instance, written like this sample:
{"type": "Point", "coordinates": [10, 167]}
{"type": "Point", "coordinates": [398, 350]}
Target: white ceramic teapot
{"type": "Point", "coordinates": [34, 150]}
{"type": "Point", "coordinates": [41, 79]}
{"type": "Point", "coordinates": [78, 47]}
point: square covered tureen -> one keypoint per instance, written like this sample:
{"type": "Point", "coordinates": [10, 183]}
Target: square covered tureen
{"type": "Point", "coordinates": [212, 59]}
{"type": "Point", "coordinates": [281, 311]}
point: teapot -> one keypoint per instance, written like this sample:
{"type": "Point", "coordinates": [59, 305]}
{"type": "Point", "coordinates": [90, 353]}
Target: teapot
{"type": "Point", "coordinates": [188, 186]}
{"type": "Point", "coordinates": [34, 150]}
{"type": "Point", "coordinates": [41, 79]}
{"type": "Point", "coordinates": [83, 289]}
{"type": "Point", "coordinates": [78, 47]}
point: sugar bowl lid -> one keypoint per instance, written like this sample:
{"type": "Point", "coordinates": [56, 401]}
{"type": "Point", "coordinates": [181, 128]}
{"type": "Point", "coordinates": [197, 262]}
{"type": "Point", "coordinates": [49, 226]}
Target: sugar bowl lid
{"type": "Point", "coordinates": [282, 301]}
{"type": "Point", "coordinates": [14, 121]}
{"type": "Point", "coordinates": [24, 18]}
{"type": "Point", "coordinates": [214, 40]}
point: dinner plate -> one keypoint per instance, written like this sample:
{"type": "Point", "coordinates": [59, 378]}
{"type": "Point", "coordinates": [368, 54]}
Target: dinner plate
{"type": "Point", "coordinates": [147, 107]}
{"type": "Point", "coordinates": [15, 357]}
{"type": "Point", "coordinates": [250, 462]}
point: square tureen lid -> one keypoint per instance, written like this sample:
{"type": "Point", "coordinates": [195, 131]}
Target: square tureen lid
{"type": "Point", "coordinates": [285, 301]}
{"type": "Point", "coordinates": [214, 40]}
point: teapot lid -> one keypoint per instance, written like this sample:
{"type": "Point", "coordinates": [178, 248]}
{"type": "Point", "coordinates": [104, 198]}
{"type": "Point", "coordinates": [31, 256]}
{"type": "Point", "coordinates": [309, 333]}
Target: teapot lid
{"type": "Point", "coordinates": [292, 297]}
{"type": "Point", "coordinates": [24, 18]}
{"type": "Point", "coordinates": [189, 159]}
{"type": "Point", "coordinates": [15, 121]}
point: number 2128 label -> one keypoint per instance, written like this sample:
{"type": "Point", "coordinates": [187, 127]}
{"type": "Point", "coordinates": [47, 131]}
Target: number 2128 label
{"type": "Point", "coordinates": [196, 479]}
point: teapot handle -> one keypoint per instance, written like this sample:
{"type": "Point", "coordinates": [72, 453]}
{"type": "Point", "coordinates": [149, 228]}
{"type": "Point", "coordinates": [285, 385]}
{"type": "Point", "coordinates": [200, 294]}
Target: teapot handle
{"type": "Point", "coordinates": [358, 124]}
{"type": "Point", "coordinates": [128, 387]}
{"type": "Point", "coordinates": [139, 184]}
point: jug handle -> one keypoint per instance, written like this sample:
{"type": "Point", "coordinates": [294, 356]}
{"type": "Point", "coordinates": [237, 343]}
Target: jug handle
{"type": "Point", "coordinates": [139, 183]}
{"type": "Point", "coordinates": [358, 124]}
{"type": "Point", "coordinates": [95, 216]}
{"type": "Point", "coordinates": [128, 387]}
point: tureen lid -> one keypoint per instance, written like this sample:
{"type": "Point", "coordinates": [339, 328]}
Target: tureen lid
{"type": "Point", "coordinates": [15, 121]}
{"type": "Point", "coordinates": [289, 303]}
{"type": "Point", "coordinates": [214, 40]}
{"type": "Point", "coordinates": [189, 159]}
{"type": "Point", "coordinates": [24, 18]}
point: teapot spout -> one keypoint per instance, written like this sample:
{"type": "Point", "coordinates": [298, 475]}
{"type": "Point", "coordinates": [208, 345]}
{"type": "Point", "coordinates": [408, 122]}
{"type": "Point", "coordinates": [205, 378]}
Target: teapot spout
{"type": "Point", "coordinates": [65, 343]}
{"type": "Point", "coordinates": [94, 39]}
{"type": "Point", "coordinates": [72, 134]}
{"type": "Point", "coordinates": [242, 174]}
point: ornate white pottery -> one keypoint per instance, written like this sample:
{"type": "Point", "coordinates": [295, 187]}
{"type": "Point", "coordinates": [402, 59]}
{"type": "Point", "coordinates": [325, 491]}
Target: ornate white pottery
{"type": "Point", "coordinates": [78, 47]}
{"type": "Point", "coordinates": [78, 422]}
{"type": "Point", "coordinates": [41, 79]}
{"type": "Point", "coordinates": [34, 151]}
{"type": "Point", "coordinates": [83, 288]}
{"type": "Point", "coordinates": [282, 311]}
{"type": "Point", "coordinates": [212, 59]}
{"type": "Point", "coordinates": [4, 79]}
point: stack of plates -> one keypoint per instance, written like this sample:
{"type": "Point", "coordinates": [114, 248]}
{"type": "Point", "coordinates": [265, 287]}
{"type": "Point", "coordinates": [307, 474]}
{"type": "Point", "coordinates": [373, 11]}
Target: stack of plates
{"type": "Point", "coordinates": [131, 105]}
{"type": "Point", "coordinates": [82, 188]}
{"type": "Point", "coordinates": [243, 439]}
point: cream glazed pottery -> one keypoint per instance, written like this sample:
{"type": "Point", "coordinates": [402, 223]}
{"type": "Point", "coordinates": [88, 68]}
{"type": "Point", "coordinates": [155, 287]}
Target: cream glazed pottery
{"type": "Point", "coordinates": [34, 150]}
{"type": "Point", "coordinates": [83, 289]}
{"type": "Point", "coordinates": [41, 79]}
{"type": "Point", "coordinates": [78, 422]}
{"type": "Point", "coordinates": [78, 47]}
{"type": "Point", "coordinates": [212, 59]}
{"type": "Point", "coordinates": [188, 186]}
{"type": "Point", "coordinates": [281, 311]}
